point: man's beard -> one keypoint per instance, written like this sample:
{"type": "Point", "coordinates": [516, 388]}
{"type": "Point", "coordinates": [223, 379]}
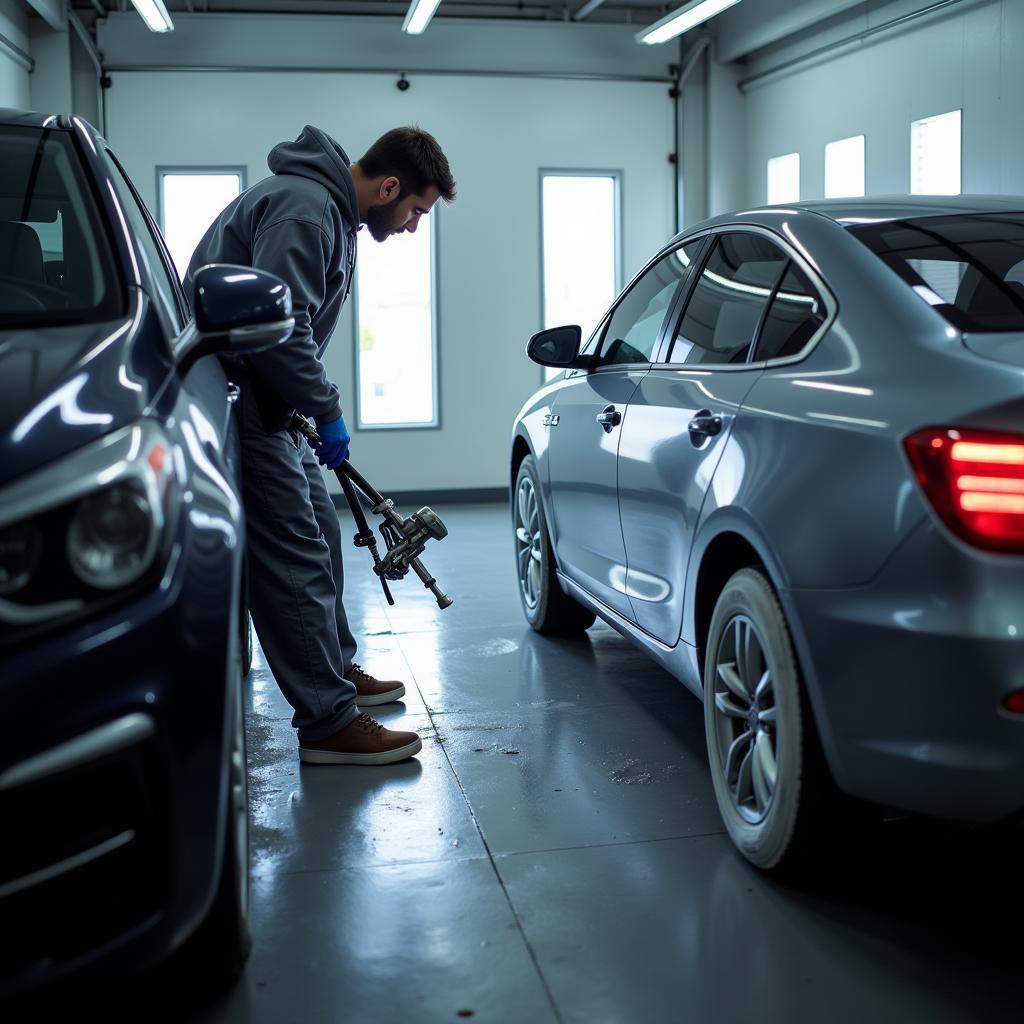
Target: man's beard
{"type": "Point", "coordinates": [379, 222]}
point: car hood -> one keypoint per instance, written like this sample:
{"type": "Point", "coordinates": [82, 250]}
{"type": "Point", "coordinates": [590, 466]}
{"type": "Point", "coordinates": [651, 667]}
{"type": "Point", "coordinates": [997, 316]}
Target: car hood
{"type": "Point", "coordinates": [62, 387]}
{"type": "Point", "coordinates": [1006, 348]}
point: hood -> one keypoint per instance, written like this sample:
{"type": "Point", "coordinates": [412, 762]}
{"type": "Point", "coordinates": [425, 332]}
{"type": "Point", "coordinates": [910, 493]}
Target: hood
{"type": "Point", "coordinates": [314, 154]}
{"type": "Point", "coordinates": [62, 387]}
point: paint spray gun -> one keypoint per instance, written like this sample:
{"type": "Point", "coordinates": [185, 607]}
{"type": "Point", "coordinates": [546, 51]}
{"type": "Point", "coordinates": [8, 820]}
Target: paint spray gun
{"type": "Point", "coordinates": [405, 537]}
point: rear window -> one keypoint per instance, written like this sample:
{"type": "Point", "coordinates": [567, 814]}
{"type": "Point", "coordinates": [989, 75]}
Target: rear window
{"type": "Point", "coordinates": [969, 267]}
{"type": "Point", "coordinates": [55, 262]}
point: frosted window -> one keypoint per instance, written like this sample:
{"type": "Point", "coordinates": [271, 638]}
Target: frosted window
{"type": "Point", "coordinates": [189, 203]}
{"type": "Point", "coordinates": [784, 179]}
{"type": "Point", "coordinates": [395, 322]}
{"type": "Point", "coordinates": [580, 235]}
{"type": "Point", "coordinates": [935, 155]}
{"type": "Point", "coordinates": [844, 168]}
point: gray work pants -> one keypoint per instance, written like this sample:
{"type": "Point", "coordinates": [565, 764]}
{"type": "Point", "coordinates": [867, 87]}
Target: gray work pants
{"type": "Point", "coordinates": [296, 576]}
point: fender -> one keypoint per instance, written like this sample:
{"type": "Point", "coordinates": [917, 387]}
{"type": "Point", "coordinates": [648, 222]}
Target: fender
{"type": "Point", "coordinates": [737, 521]}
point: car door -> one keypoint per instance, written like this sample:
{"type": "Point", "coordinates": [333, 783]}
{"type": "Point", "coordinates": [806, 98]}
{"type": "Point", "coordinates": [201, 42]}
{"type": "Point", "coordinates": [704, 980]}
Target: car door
{"type": "Point", "coordinates": [584, 436]}
{"type": "Point", "coordinates": [680, 418]}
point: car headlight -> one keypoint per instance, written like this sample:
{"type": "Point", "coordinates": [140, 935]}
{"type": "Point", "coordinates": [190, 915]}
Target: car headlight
{"type": "Point", "coordinates": [88, 529]}
{"type": "Point", "coordinates": [20, 546]}
{"type": "Point", "coordinates": [111, 537]}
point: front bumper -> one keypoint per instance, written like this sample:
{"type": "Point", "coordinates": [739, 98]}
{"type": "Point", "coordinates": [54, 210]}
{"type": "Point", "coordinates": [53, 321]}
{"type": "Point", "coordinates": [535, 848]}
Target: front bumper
{"type": "Point", "coordinates": [907, 678]}
{"type": "Point", "coordinates": [112, 783]}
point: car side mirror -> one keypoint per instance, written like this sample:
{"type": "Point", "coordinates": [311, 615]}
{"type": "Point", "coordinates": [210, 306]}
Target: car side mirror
{"type": "Point", "coordinates": [237, 310]}
{"type": "Point", "coordinates": [558, 347]}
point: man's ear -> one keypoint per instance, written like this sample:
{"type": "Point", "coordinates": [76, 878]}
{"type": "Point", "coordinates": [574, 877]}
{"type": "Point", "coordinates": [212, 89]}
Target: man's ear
{"type": "Point", "coordinates": [390, 188]}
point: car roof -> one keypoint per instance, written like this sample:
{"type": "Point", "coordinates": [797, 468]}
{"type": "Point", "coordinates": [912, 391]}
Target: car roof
{"type": "Point", "coordinates": [883, 208]}
{"type": "Point", "coordinates": [873, 209]}
{"type": "Point", "coordinates": [33, 119]}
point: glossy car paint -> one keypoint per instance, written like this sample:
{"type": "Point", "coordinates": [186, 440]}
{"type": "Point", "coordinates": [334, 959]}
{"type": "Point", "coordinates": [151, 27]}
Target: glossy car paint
{"type": "Point", "coordinates": [164, 651]}
{"type": "Point", "coordinates": [908, 638]}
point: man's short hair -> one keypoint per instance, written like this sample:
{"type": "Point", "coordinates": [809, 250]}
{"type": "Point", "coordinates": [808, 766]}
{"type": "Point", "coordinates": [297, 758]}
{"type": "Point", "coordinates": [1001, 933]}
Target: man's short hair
{"type": "Point", "coordinates": [414, 157]}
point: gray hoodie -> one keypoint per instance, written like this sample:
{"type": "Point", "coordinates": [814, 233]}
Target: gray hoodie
{"type": "Point", "coordinates": [300, 224]}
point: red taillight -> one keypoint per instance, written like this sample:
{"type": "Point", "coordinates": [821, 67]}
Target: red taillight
{"type": "Point", "coordinates": [1015, 703]}
{"type": "Point", "coordinates": [975, 481]}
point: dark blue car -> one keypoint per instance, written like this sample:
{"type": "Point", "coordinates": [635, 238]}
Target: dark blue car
{"type": "Point", "coordinates": [123, 816]}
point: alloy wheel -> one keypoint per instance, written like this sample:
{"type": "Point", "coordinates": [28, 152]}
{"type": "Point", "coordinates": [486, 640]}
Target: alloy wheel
{"type": "Point", "coordinates": [745, 720]}
{"type": "Point", "coordinates": [528, 543]}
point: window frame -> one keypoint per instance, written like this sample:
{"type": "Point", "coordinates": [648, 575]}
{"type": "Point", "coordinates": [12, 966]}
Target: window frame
{"type": "Point", "coordinates": [863, 166]}
{"type": "Point", "coordinates": [197, 169]}
{"type": "Point", "coordinates": [799, 180]}
{"type": "Point", "coordinates": [618, 245]}
{"type": "Point", "coordinates": [960, 140]}
{"type": "Point", "coordinates": [678, 310]}
{"type": "Point", "coordinates": [435, 346]}
{"type": "Point", "coordinates": [601, 330]}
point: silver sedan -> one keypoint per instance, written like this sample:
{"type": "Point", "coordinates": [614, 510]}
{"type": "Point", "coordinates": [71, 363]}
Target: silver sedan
{"type": "Point", "coordinates": [789, 465]}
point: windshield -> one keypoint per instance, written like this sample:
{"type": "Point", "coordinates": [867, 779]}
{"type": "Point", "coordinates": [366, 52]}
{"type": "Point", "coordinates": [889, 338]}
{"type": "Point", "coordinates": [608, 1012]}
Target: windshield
{"type": "Point", "coordinates": [55, 263]}
{"type": "Point", "coordinates": [969, 267]}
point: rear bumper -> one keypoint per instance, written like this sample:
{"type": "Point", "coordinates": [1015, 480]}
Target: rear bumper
{"type": "Point", "coordinates": [907, 677]}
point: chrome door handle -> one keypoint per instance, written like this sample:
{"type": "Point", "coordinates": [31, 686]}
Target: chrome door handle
{"type": "Point", "coordinates": [609, 418]}
{"type": "Point", "coordinates": [704, 425]}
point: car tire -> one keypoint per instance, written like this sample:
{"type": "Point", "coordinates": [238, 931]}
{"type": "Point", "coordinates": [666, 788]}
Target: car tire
{"type": "Point", "coordinates": [547, 607]}
{"type": "Point", "coordinates": [217, 951]}
{"type": "Point", "coordinates": [245, 641]}
{"type": "Point", "coordinates": [773, 788]}
{"type": "Point", "coordinates": [245, 623]}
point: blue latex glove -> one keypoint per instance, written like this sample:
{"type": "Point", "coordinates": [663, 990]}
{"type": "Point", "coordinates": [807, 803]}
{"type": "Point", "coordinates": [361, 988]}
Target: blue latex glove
{"type": "Point", "coordinates": [332, 448]}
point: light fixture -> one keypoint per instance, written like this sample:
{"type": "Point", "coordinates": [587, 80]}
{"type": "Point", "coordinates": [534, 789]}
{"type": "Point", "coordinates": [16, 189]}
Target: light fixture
{"type": "Point", "coordinates": [420, 13]}
{"type": "Point", "coordinates": [154, 14]}
{"type": "Point", "coordinates": [683, 19]}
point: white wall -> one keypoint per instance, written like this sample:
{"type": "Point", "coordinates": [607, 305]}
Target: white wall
{"type": "Point", "coordinates": [497, 132]}
{"type": "Point", "coordinates": [51, 80]}
{"type": "Point", "coordinates": [967, 57]}
{"type": "Point", "coordinates": [14, 79]}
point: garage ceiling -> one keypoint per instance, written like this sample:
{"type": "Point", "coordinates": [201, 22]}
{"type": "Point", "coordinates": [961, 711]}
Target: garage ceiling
{"type": "Point", "coordinates": [607, 12]}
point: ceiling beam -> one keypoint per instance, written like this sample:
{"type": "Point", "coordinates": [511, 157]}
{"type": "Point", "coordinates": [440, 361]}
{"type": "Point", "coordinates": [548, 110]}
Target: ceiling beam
{"type": "Point", "coordinates": [53, 12]}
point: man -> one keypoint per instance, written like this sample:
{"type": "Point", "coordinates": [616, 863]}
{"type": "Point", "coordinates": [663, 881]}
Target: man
{"type": "Point", "coordinates": [301, 224]}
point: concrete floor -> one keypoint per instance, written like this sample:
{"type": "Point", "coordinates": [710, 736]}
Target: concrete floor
{"type": "Point", "coordinates": [555, 853]}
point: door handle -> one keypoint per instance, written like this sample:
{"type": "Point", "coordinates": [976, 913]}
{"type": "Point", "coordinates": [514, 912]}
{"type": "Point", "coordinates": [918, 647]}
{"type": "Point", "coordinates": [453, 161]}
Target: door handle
{"type": "Point", "coordinates": [609, 418]}
{"type": "Point", "coordinates": [233, 392]}
{"type": "Point", "coordinates": [704, 425]}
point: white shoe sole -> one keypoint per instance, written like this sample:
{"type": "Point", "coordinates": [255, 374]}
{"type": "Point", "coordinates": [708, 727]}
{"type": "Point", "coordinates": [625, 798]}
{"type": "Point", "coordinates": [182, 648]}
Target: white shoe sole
{"type": "Point", "coordinates": [307, 756]}
{"type": "Point", "coordinates": [381, 698]}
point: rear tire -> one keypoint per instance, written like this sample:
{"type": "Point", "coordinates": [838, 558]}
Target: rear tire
{"type": "Point", "coordinates": [246, 642]}
{"type": "Point", "coordinates": [773, 787]}
{"type": "Point", "coordinates": [245, 623]}
{"type": "Point", "coordinates": [547, 607]}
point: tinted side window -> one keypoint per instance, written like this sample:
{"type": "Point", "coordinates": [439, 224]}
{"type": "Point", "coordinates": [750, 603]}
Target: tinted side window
{"type": "Point", "coordinates": [636, 322]}
{"type": "Point", "coordinates": [726, 305]}
{"type": "Point", "coordinates": [796, 312]}
{"type": "Point", "coordinates": [150, 250]}
{"type": "Point", "coordinates": [965, 265]}
{"type": "Point", "coordinates": [55, 263]}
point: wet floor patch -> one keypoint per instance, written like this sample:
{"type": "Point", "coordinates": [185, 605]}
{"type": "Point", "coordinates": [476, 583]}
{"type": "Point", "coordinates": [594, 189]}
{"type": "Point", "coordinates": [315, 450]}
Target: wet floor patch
{"type": "Point", "coordinates": [268, 768]}
{"type": "Point", "coordinates": [632, 773]}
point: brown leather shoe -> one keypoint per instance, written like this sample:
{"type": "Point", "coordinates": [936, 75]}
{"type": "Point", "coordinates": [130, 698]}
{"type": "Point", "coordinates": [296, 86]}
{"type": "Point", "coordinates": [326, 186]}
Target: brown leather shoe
{"type": "Point", "coordinates": [373, 691]}
{"type": "Point", "coordinates": [363, 741]}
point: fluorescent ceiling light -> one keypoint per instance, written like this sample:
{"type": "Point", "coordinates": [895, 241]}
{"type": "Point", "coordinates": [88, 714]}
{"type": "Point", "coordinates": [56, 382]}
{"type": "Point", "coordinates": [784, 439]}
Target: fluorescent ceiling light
{"type": "Point", "coordinates": [682, 20]}
{"type": "Point", "coordinates": [154, 14]}
{"type": "Point", "coordinates": [420, 13]}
